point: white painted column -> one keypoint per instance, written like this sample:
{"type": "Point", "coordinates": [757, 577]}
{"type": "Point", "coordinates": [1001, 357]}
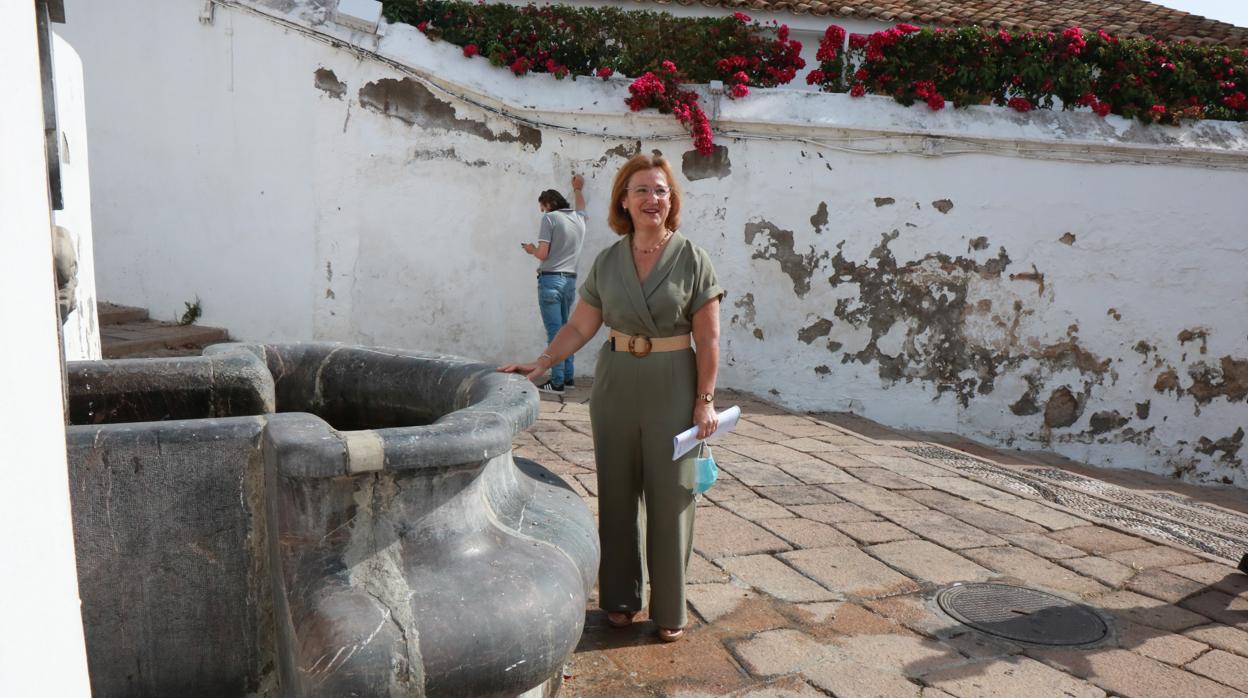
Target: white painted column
{"type": "Point", "coordinates": [41, 646]}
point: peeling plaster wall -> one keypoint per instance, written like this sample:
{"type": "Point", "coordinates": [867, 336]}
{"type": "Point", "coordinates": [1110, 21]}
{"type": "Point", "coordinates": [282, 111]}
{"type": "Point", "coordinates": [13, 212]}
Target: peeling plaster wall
{"type": "Point", "coordinates": [1044, 281]}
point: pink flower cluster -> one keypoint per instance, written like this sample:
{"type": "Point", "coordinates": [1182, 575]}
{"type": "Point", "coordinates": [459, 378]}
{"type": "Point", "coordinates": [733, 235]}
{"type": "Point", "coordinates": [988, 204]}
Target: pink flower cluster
{"type": "Point", "coordinates": [663, 92]}
{"type": "Point", "coordinates": [1098, 107]}
{"type": "Point", "coordinates": [832, 43]}
{"type": "Point", "coordinates": [1020, 104]}
{"type": "Point", "coordinates": [926, 91]}
{"type": "Point", "coordinates": [831, 55]}
{"type": "Point", "coordinates": [877, 42]}
{"type": "Point", "coordinates": [781, 60]}
{"type": "Point", "coordinates": [1075, 42]}
{"type": "Point", "coordinates": [645, 90]}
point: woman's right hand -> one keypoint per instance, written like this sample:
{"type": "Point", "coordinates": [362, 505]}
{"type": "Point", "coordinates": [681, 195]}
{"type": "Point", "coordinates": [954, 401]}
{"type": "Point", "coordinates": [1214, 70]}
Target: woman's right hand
{"type": "Point", "coordinates": [533, 371]}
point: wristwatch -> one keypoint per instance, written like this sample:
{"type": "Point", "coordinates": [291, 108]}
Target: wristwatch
{"type": "Point", "coordinates": [706, 397]}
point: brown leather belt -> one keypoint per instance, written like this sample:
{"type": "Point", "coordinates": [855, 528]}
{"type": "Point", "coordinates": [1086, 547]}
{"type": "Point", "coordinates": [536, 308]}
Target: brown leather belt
{"type": "Point", "coordinates": [640, 345]}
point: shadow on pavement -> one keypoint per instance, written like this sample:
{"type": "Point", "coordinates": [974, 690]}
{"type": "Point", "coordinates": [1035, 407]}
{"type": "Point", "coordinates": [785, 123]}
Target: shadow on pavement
{"type": "Point", "coordinates": [1153, 631]}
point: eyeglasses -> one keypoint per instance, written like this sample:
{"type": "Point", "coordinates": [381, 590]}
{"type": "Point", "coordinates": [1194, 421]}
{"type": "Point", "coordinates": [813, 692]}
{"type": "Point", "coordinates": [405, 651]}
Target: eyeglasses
{"type": "Point", "coordinates": [645, 192]}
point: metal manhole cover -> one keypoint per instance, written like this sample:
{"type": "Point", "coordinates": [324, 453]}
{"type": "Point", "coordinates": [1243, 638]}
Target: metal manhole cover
{"type": "Point", "coordinates": [1021, 614]}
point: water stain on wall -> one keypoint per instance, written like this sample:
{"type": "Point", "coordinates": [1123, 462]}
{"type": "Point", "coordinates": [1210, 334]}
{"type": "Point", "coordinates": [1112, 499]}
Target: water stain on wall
{"type": "Point", "coordinates": [1228, 378]}
{"type": "Point", "coordinates": [445, 154]}
{"type": "Point", "coordinates": [815, 330]}
{"type": "Point", "coordinates": [1228, 445]}
{"type": "Point", "coordinates": [1193, 335]}
{"type": "Point", "coordinates": [928, 298]}
{"type": "Point", "coordinates": [746, 317]}
{"type": "Point", "coordinates": [820, 218]}
{"type": "Point", "coordinates": [1062, 409]}
{"type": "Point", "coordinates": [780, 247]}
{"type": "Point", "coordinates": [919, 315]}
{"type": "Point", "coordinates": [1106, 420]}
{"type": "Point", "coordinates": [1033, 275]}
{"type": "Point", "coordinates": [697, 166]}
{"type": "Point", "coordinates": [411, 102]}
{"type": "Point", "coordinates": [620, 151]}
{"type": "Point", "coordinates": [325, 81]}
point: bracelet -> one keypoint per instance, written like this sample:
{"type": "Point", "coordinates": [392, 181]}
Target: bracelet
{"type": "Point", "coordinates": [548, 356]}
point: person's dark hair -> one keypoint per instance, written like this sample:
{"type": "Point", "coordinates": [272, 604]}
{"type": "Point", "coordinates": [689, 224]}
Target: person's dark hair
{"type": "Point", "coordinates": [552, 200]}
{"type": "Point", "coordinates": [618, 218]}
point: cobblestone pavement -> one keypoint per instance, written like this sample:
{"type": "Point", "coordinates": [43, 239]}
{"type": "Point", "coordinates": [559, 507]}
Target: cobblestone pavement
{"type": "Point", "coordinates": [819, 553]}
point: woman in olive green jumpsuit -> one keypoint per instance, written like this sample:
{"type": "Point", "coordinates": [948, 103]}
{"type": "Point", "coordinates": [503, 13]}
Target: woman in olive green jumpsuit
{"type": "Point", "coordinates": [652, 288]}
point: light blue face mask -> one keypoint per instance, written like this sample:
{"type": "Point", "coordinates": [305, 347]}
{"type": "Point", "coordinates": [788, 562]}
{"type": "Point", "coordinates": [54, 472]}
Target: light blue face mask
{"type": "Point", "coordinates": [705, 470]}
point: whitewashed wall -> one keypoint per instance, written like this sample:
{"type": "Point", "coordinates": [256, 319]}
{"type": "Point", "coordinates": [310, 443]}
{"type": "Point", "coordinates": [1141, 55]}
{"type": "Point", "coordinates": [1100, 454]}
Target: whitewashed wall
{"type": "Point", "coordinates": [81, 331]}
{"type": "Point", "coordinates": [1043, 280]}
{"type": "Point", "coordinates": [41, 646]}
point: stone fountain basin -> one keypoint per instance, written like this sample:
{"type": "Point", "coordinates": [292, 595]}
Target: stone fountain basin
{"type": "Point", "coordinates": [319, 519]}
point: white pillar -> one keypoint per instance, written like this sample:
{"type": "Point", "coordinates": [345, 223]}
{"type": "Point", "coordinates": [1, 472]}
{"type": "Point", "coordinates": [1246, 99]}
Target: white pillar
{"type": "Point", "coordinates": [41, 640]}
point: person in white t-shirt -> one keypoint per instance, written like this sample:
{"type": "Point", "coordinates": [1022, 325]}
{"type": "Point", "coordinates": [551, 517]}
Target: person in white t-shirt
{"type": "Point", "coordinates": [558, 247]}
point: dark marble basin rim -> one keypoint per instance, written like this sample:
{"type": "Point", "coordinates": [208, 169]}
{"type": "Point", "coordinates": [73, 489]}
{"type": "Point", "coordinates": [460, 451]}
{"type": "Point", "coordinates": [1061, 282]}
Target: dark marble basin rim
{"type": "Point", "coordinates": [495, 406]}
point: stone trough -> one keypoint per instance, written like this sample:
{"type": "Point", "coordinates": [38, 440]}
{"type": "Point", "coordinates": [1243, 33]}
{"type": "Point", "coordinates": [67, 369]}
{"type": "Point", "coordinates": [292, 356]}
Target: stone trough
{"type": "Point", "coordinates": [319, 520]}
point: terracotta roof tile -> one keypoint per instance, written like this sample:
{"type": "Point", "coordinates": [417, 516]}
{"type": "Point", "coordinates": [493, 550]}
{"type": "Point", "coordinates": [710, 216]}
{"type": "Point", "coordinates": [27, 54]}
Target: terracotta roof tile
{"type": "Point", "coordinates": [1124, 17]}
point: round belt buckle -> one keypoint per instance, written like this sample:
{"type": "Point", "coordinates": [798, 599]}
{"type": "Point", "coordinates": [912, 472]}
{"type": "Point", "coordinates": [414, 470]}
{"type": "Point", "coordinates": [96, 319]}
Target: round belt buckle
{"type": "Point", "coordinates": [639, 353]}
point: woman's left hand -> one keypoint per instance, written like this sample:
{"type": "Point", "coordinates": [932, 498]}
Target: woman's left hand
{"type": "Point", "coordinates": [705, 419]}
{"type": "Point", "coordinates": [532, 371]}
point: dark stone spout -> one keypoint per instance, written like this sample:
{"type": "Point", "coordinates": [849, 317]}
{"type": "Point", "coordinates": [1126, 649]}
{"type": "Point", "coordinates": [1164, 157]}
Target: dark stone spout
{"type": "Point", "coordinates": [353, 517]}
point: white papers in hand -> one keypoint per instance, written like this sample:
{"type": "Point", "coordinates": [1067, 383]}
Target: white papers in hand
{"type": "Point", "coordinates": [686, 440]}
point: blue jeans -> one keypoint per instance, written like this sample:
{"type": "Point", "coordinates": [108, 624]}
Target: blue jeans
{"type": "Point", "coordinates": [554, 296]}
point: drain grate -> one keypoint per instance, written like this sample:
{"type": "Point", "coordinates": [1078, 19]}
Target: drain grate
{"type": "Point", "coordinates": [1022, 614]}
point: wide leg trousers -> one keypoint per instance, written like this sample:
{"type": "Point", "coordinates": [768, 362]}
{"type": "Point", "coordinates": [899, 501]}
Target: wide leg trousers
{"type": "Point", "coordinates": [645, 499]}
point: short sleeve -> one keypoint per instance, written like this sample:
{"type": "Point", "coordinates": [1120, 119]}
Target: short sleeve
{"type": "Point", "coordinates": [589, 287]}
{"type": "Point", "coordinates": [546, 234]}
{"type": "Point", "coordinates": [705, 282]}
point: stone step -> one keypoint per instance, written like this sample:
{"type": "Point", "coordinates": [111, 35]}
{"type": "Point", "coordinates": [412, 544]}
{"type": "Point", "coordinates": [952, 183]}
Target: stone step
{"type": "Point", "coordinates": [153, 338]}
{"type": "Point", "coordinates": [114, 314]}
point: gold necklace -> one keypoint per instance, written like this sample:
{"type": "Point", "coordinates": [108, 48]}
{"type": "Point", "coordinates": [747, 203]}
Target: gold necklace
{"type": "Point", "coordinates": [661, 243]}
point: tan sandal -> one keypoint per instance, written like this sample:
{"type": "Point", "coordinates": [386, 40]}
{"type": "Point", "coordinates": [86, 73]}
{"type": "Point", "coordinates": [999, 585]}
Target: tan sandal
{"type": "Point", "coordinates": [620, 619]}
{"type": "Point", "coordinates": [671, 634]}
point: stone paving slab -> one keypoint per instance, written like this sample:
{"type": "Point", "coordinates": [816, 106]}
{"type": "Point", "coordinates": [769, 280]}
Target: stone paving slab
{"type": "Point", "coordinates": [804, 533]}
{"type": "Point", "coordinates": [1023, 565]}
{"type": "Point", "coordinates": [774, 578]}
{"type": "Point", "coordinates": [925, 561]}
{"type": "Point", "coordinates": [819, 553]}
{"type": "Point", "coordinates": [873, 498]}
{"type": "Point", "coordinates": [798, 494]}
{"type": "Point", "coordinates": [943, 529]}
{"type": "Point", "coordinates": [816, 472]}
{"type": "Point", "coordinates": [849, 571]}
{"type": "Point", "coordinates": [719, 533]}
{"type": "Point", "coordinates": [1132, 675]}
{"type": "Point", "coordinates": [1015, 676]}
{"type": "Point", "coordinates": [872, 532]}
